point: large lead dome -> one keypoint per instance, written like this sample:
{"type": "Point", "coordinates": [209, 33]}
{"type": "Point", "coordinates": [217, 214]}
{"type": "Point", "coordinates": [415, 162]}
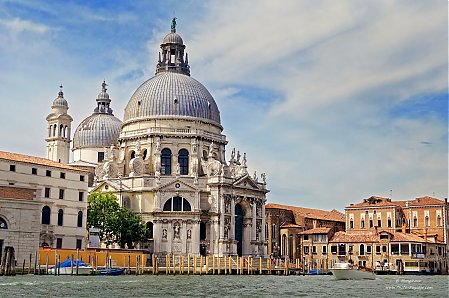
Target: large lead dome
{"type": "Point", "coordinates": [172, 92]}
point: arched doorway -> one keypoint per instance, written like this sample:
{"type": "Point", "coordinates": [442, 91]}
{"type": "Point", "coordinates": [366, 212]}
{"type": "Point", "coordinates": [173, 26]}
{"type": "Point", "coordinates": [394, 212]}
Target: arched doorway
{"type": "Point", "coordinates": [203, 246]}
{"type": "Point", "coordinates": [239, 228]}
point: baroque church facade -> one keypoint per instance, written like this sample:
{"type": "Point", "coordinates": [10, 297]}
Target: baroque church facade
{"type": "Point", "coordinates": [166, 161]}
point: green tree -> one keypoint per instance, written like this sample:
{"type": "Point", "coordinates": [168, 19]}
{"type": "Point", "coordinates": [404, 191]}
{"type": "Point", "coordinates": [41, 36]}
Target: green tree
{"type": "Point", "coordinates": [130, 228]}
{"type": "Point", "coordinates": [117, 224]}
{"type": "Point", "coordinates": [100, 214]}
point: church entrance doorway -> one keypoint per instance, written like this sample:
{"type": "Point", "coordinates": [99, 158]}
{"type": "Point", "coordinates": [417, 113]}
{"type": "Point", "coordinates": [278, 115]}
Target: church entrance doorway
{"type": "Point", "coordinates": [203, 244]}
{"type": "Point", "coordinates": [239, 228]}
{"type": "Point", "coordinates": [1, 251]}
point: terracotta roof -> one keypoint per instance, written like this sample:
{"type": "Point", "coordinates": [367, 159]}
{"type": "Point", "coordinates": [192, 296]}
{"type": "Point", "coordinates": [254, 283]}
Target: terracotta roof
{"type": "Point", "coordinates": [402, 237]}
{"type": "Point", "coordinates": [289, 225]}
{"type": "Point", "coordinates": [8, 192]}
{"type": "Point", "coordinates": [354, 238]}
{"type": "Point", "coordinates": [333, 215]}
{"type": "Point", "coordinates": [36, 161]}
{"type": "Point", "coordinates": [374, 201]}
{"type": "Point", "coordinates": [426, 201]}
{"type": "Point", "coordinates": [316, 231]}
{"type": "Point", "coordinates": [384, 202]}
{"type": "Point", "coordinates": [344, 237]}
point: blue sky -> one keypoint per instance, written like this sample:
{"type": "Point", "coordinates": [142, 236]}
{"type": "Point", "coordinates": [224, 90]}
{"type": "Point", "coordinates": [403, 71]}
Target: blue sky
{"type": "Point", "coordinates": [335, 100]}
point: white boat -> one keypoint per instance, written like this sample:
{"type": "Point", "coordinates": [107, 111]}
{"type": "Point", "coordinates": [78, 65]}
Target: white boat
{"type": "Point", "coordinates": [347, 271]}
{"type": "Point", "coordinates": [68, 268]}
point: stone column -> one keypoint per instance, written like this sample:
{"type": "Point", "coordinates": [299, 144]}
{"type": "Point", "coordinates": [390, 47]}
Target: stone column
{"type": "Point", "coordinates": [222, 211]}
{"type": "Point", "coordinates": [157, 236]}
{"type": "Point", "coordinates": [157, 201]}
{"type": "Point", "coordinates": [170, 237]}
{"type": "Point", "coordinates": [196, 237]}
{"type": "Point", "coordinates": [253, 222]}
{"type": "Point", "coordinates": [262, 237]}
{"type": "Point", "coordinates": [232, 228]}
{"type": "Point", "coordinates": [270, 236]}
{"type": "Point", "coordinates": [184, 237]}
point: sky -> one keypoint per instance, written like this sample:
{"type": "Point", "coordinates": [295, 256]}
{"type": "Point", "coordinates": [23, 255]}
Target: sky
{"type": "Point", "coordinates": [335, 101]}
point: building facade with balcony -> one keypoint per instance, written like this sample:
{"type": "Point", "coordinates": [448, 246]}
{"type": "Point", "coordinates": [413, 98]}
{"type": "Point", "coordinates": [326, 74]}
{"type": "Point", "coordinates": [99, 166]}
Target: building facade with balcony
{"type": "Point", "coordinates": [61, 192]}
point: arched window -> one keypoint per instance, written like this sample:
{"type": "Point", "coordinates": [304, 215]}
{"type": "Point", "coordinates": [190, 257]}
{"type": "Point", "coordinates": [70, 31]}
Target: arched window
{"type": "Point", "coordinates": [362, 249]}
{"type": "Point", "coordinates": [61, 130]}
{"type": "Point", "coordinates": [144, 153]}
{"type": "Point", "coordinates": [3, 224]}
{"type": "Point", "coordinates": [166, 162]}
{"type": "Point", "coordinates": [351, 224]}
{"type": "Point", "coordinates": [150, 229]}
{"type": "Point", "coordinates": [284, 245]}
{"type": "Point", "coordinates": [426, 221]}
{"type": "Point", "coordinates": [46, 211]}
{"type": "Point", "coordinates": [177, 204]}
{"type": "Point", "coordinates": [183, 160]}
{"type": "Point", "coordinates": [415, 222]}
{"type": "Point", "coordinates": [80, 219]}
{"type": "Point", "coordinates": [54, 130]}
{"type": "Point", "coordinates": [132, 154]}
{"type": "Point", "coordinates": [438, 220]}
{"type": "Point", "coordinates": [362, 223]}
{"type": "Point", "coordinates": [49, 130]}
{"type": "Point", "coordinates": [60, 217]}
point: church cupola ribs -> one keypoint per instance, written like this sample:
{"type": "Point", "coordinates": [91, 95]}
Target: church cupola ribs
{"type": "Point", "coordinates": [172, 57]}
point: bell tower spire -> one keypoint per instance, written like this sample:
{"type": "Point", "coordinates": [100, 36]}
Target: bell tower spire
{"type": "Point", "coordinates": [172, 58]}
{"type": "Point", "coordinates": [59, 127]}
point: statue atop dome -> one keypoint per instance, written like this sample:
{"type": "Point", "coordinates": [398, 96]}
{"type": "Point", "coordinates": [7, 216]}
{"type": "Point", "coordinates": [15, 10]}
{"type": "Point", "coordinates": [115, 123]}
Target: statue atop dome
{"type": "Point", "coordinates": [173, 25]}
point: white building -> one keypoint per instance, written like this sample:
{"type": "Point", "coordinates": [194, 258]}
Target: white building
{"type": "Point", "coordinates": [61, 192]}
{"type": "Point", "coordinates": [167, 162]}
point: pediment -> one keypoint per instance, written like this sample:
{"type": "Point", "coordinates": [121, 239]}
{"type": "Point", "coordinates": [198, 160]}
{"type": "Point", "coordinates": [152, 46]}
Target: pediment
{"type": "Point", "coordinates": [177, 185]}
{"type": "Point", "coordinates": [106, 185]}
{"type": "Point", "coordinates": [246, 182]}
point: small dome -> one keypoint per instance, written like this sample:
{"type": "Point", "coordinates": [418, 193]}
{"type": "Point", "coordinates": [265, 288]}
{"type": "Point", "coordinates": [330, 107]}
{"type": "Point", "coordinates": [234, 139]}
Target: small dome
{"type": "Point", "coordinates": [172, 94]}
{"type": "Point", "coordinates": [103, 95]}
{"type": "Point", "coordinates": [97, 131]}
{"type": "Point", "coordinates": [60, 101]}
{"type": "Point", "coordinates": [173, 38]}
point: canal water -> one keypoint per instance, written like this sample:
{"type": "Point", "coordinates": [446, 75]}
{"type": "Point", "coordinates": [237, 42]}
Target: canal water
{"type": "Point", "coordinates": [221, 286]}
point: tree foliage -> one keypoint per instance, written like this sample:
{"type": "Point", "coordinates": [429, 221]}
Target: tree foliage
{"type": "Point", "coordinates": [116, 224]}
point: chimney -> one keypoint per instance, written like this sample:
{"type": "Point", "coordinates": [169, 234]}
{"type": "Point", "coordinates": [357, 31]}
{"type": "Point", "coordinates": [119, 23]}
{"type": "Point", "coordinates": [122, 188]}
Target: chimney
{"type": "Point", "coordinates": [445, 201]}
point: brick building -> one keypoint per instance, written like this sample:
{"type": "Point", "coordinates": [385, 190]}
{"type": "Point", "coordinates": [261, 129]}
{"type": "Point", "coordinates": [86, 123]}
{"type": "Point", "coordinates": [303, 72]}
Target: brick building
{"type": "Point", "coordinates": [285, 223]}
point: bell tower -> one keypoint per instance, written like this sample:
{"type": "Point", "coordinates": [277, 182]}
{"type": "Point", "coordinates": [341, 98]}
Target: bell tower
{"type": "Point", "coordinates": [58, 132]}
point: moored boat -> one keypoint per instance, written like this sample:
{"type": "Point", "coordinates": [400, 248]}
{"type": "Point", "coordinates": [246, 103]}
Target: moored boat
{"type": "Point", "coordinates": [347, 271]}
{"type": "Point", "coordinates": [111, 271]}
{"type": "Point", "coordinates": [69, 267]}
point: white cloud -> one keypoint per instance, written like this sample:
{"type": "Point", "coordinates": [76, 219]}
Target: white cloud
{"type": "Point", "coordinates": [17, 25]}
{"type": "Point", "coordinates": [329, 73]}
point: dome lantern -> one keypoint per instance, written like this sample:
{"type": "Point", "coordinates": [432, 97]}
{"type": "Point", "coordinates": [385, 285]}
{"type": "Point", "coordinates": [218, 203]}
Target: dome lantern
{"type": "Point", "coordinates": [172, 57]}
{"type": "Point", "coordinates": [101, 129]}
